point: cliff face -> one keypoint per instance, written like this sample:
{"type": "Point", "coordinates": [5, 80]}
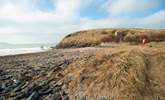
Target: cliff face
{"type": "Point", "coordinates": [95, 37]}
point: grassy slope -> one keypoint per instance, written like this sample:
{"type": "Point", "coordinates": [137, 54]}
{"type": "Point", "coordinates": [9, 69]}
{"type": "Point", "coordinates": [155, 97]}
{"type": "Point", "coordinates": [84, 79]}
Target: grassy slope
{"type": "Point", "coordinates": [121, 73]}
{"type": "Point", "coordinates": [124, 72]}
{"type": "Point", "coordinates": [93, 37]}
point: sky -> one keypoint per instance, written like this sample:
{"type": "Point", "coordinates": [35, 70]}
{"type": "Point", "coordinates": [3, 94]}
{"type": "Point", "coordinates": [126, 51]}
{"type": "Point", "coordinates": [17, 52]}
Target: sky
{"type": "Point", "coordinates": [48, 21]}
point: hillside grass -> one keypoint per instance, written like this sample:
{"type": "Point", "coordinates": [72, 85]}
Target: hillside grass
{"type": "Point", "coordinates": [120, 73]}
{"type": "Point", "coordinates": [95, 37]}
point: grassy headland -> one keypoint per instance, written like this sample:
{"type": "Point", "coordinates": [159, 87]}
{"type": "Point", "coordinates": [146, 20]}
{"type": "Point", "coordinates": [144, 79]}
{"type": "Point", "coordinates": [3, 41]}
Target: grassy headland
{"type": "Point", "coordinates": [95, 37]}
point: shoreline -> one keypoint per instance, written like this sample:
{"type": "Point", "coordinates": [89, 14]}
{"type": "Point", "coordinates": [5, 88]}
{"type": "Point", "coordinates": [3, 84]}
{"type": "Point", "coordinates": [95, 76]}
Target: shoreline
{"type": "Point", "coordinates": [21, 51]}
{"type": "Point", "coordinates": [37, 70]}
{"type": "Point", "coordinates": [45, 75]}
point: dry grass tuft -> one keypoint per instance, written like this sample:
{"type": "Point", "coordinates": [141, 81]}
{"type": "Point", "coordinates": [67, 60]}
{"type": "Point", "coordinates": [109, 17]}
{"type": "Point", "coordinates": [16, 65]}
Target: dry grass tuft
{"type": "Point", "coordinates": [116, 74]}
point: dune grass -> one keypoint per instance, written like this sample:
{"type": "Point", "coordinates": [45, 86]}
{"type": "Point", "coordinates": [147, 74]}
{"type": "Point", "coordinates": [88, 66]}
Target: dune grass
{"type": "Point", "coordinates": [97, 36]}
{"type": "Point", "coordinates": [121, 73]}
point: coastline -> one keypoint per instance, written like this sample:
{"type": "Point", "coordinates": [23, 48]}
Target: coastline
{"type": "Point", "coordinates": [32, 70]}
{"type": "Point", "coordinates": [58, 73]}
{"type": "Point", "coordinates": [21, 51]}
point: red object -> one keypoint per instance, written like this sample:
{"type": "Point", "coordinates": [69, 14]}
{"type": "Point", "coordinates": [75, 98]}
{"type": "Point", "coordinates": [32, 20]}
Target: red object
{"type": "Point", "coordinates": [145, 39]}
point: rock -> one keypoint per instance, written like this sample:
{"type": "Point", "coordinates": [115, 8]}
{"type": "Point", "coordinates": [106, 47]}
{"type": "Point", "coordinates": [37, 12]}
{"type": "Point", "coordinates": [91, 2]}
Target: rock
{"type": "Point", "coordinates": [29, 89]}
{"type": "Point", "coordinates": [55, 96]}
{"type": "Point", "coordinates": [32, 88]}
{"type": "Point", "coordinates": [2, 98]}
{"type": "Point", "coordinates": [33, 96]}
{"type": "Point", "coordinates": [44, 90]}
{"type": "Point", "coordinates": [39, 69]}
{"type": "Point", "coordinates": [5, 77]}
{"type": "Point", "coordinates": [16, 82]}
{"type": "Point", "coordinates": [9, 83]}
{"type": "Point", "coordinates": [3, 86]}
{"type": "Point", "coordinates": [13, 94]}
{"type": "Point", "coordinates": [25, 77]}
{"type": "Point", "coordinates": [1, 71]}
{"type": "Point", "coordinates": [59, 83]}
{"type": "Point", "coordinates": [65, 97]}
{"type": "Point", "coordinates": [36, 69]}
{"type": "Point", "coordinates": [57, 69]}
{"type": "Point", "coordinates": [1, 89]}
{"type": "Point", "coordinates": [20, 96]}
{"type": "Point", "coordinates": [6, 90]}
{"type": "Point", "coordinates": [41, 89]}
{"type": "Point", "coordinates": [57, 89]}
{"type": "Point", "coordinates": [18, 88]}
{"type": "Point", "coordinates": [64, 92]}
{"type": "Point", "coordinates": [25, 85]}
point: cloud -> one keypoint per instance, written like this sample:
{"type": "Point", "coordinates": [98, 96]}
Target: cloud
{"type": "Point", "coordinates": [156, 20]}
{"type": "Point", "coordinates": [27, 21]}
{"type": "Point", "coordinates": [18, 21]}
{"type": "Point", "coordinates": [117, 7]}
{"type": "Point", "coordinates": [157, 17]}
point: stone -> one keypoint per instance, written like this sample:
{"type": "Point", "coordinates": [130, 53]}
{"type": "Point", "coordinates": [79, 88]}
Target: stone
{"type": "Point", "coordinates": [1, 71]}
{"type": "Point", "coordinates": [18, 88]}
{"type": "Point", "coordinates": [25, 85]}
{"type": "Point", "coordinates": [1, 89]}
{"type": "Point", "coordinates": [13, 94]}
{"type": "Point", "coordinates": [20, 96]}
{"type": "Point", "coordinates": [44, 90]}
{"type": "Point", "coordinates": [29, 89]}
{"type": "Point", "coordinates": [36, 69]}
{"type": "Point", "coordinates": [2, 98]}
{"type": "Point", "coordinates": [25, 77]}
{"type": "Point", "coordinates": [4, 78]}
{"type": "Point", "coordinates": [33, 96]}
{"type": "Point", "coordinates": [55, 96]}
{"type": "Point", "coordinates": [9, 83]}
{"type": "Point", "coordinates": [6, 90]}
{"type": "Point", "coordinates": [3, 86]}
{"type": "Point", "coordinates": [57, 89]}
{"type": "Point", "coordinates": [57, 69]}
{"type": "Point", "coordinates": [33, 88]}
{"type": "Point", "coordinates": [17, 82]}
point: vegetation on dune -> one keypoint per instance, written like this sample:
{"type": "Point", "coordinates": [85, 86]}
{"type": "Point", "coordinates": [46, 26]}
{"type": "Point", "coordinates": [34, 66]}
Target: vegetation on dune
{"type": "Point", "coordinates": [118, 74]}
{"type": "Point", "coordinates": [95, 37]}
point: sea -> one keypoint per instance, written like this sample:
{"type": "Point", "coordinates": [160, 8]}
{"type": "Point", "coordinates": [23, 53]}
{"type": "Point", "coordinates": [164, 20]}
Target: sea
{"type": "Point", "coordinates": [8, 49]}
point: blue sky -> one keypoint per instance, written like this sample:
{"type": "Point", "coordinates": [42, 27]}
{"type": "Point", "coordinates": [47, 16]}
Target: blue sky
{"type": "Point", "coordinates": [48, 21]}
